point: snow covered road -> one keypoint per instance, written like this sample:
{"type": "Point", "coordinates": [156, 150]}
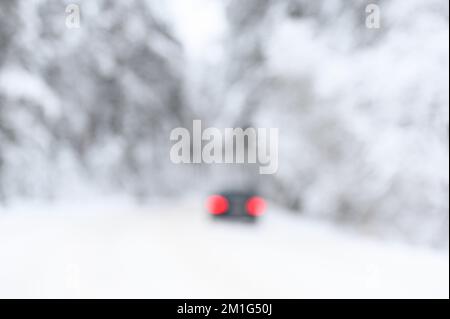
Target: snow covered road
{"type": "Point", "coordinates": [158, 251]}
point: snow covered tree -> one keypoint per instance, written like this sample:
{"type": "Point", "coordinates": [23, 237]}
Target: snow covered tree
{"type": "Point", "coordinates": [362, 112]}
{"type": "Point", "coordinates": [104, 95]}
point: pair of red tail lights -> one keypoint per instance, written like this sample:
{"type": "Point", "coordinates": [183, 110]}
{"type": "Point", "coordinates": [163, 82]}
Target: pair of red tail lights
{"type": "Point", "coordinates": [217, 205]}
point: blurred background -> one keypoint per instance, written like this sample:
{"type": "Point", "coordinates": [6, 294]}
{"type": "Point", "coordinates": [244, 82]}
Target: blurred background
{"type": "Point", "coordinates": [92, 206]}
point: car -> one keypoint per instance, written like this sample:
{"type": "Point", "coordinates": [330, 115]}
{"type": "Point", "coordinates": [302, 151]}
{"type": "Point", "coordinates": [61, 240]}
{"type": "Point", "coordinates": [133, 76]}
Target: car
{"type": "Point", "coordinates": [242, 205]}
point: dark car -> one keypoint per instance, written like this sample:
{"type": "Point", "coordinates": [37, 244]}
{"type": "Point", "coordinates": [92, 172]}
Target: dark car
{"type": "Point", "coordinates": [236, 205]}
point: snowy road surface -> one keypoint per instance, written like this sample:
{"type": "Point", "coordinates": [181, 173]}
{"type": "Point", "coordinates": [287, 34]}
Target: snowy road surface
{"type": "Point", "coordinates": [155, 251]}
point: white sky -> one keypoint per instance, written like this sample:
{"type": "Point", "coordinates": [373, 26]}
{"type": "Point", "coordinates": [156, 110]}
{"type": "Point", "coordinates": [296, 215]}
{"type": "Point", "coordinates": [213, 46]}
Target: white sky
{"type": "Point", "coordinates": [199, 24]}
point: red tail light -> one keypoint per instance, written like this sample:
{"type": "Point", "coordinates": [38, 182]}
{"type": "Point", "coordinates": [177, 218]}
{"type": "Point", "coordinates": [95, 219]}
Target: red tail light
{"type": "Point", "coordinates": [217, 204]}
{"type": "Point", "coordinates": [255, 206]}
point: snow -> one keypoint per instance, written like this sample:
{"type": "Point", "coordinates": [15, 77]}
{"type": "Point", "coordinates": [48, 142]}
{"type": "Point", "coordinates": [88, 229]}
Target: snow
{"type": "Point", "coordinates": [115, 248]}
{"type": "Point", "coordinates": [363, 118]}
{"type": "Point", "coordinates": [31, 87]}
